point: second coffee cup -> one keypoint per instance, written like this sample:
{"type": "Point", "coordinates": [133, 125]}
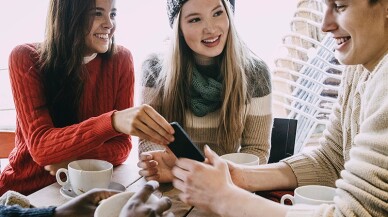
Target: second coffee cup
{"type": "Point", "coordinates": [242, 158]}
{"type": "Point", "coordinates": [84, 175]}
{"type": "Point", "coordinates": [311, 194]}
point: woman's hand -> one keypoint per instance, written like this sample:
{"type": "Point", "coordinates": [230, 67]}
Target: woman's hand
{"type": "Point", "coordinates": [157, 165]}
{"type": "Point", "coordinates": [144, 122]}
{"type": "Point", "coordinates": [203, 185]}
{"type": "Point", "coordinates": [137, 206]}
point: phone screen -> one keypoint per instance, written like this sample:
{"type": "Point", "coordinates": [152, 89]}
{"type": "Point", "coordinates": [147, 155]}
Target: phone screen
{"type": "Point", "coordinates": [182, 146]}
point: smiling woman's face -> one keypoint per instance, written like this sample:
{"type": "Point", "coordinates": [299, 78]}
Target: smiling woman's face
{"type": "Point", "coordinates": [100, 36]}
{"type": "Point", "coordinates": [204, 25]}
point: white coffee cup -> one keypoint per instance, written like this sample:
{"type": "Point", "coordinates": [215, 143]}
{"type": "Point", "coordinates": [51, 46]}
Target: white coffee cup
{"type": "Point", "coordinates": [84, 175]}
{"type": "Point", "coordinates": [112, 206]}
{"type": "Point", "coordinates": [242, 158]}
{"type": "Point", "coordinates": [311, 194]}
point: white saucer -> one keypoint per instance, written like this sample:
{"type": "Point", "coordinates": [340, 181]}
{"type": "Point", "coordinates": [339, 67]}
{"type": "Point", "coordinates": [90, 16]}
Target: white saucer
{"type": "Point", "coordinates": [68, 192]}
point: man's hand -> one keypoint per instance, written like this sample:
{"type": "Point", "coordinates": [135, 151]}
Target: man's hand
{"type": "Point", "coordinates": [138, 206]}
{"type": "Point", "coordinates": [83, 205]}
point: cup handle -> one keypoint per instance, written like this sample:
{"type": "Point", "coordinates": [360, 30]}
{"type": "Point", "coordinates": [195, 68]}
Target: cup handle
{"type": "Point", "coordinates": [289, 197]}
{"type": "Point", "coordinates": [58, 176]}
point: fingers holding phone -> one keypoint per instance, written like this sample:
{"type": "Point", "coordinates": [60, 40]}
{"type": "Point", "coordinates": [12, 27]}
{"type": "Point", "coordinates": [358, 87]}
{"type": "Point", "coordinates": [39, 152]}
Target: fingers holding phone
{"type": "Point", "coordinates": [157, 165]}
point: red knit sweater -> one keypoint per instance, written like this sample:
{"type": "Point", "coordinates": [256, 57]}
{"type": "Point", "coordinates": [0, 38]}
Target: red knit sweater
{"type": "Point", "coordinates": [39, 143]}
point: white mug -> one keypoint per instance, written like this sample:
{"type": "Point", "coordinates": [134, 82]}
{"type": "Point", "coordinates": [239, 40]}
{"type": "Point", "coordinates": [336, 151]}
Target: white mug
{"type": "Point", "coordinates": [311, 194]}
{"type": "Point", "coordinates": [242, 158]}
{"type": "Point", "coordinates": [84, 175]}
{"type": "Point", "coordinates": [112, 206]}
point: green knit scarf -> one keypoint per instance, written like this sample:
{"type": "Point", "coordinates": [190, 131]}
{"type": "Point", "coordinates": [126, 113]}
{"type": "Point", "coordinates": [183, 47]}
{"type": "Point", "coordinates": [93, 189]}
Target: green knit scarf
{"type": "Point", "coordinates": [205, 94]}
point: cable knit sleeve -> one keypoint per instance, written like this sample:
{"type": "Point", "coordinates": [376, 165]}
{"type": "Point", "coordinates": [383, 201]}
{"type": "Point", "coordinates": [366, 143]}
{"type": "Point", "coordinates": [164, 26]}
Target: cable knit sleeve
{"type": "Point", "coordinates": [256, 137]}
{"type": "Point", "coordinates": [49, 145]}
{"type": "Point", "coordinates": [117, 149]}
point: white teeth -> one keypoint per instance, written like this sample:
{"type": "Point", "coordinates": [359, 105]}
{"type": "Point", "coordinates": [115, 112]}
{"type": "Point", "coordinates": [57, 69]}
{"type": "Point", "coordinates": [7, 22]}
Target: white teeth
{"type": "Point", "coordinates": [102, 36]}
{"type": "Point", "coordinates": [211, 40]}
{"type": "Point", "coordinates": [342, 40]}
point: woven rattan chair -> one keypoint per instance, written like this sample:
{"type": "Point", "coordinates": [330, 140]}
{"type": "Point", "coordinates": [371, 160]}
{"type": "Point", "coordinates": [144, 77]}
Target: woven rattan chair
{"type": "Point", "coordinates": [306, 76]}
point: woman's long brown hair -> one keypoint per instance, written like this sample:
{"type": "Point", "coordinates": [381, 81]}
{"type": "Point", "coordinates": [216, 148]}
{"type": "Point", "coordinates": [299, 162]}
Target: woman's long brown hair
{"type": "Point", "coordinates": [61, 58]}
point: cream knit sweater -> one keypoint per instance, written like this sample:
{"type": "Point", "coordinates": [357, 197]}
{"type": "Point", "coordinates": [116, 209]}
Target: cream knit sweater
{"type": "Point", "coordinates": [353, 154]}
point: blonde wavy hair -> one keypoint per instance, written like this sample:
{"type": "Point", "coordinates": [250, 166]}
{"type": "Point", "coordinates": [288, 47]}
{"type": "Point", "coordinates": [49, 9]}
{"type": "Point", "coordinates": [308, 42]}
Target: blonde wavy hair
{"type": "Point", "coordinates": [174, 81]}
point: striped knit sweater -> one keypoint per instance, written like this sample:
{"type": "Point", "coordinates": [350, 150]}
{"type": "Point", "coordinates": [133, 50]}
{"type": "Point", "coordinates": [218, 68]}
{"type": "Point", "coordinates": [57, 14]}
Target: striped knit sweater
{"type": "Point", "coordinates": [39, 143]}
{"type": "Point", "coordinates": [255, 138]}
{"type": "Point", "coordinates": [353, 154]}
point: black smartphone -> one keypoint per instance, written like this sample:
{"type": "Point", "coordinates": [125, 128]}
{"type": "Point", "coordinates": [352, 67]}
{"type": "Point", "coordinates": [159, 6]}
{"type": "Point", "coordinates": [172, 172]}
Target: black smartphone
{"type": "Point", "coordinates": [182, 146]}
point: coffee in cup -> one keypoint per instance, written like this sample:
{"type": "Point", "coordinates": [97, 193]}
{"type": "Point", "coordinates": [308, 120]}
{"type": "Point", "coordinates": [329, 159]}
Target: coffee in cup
{"type": "Point", "coordinates": [311, 194]}
{"type": "Point", "coordinates": [84, 175]}
{"type": "Point", "coordinates": [242, 158]}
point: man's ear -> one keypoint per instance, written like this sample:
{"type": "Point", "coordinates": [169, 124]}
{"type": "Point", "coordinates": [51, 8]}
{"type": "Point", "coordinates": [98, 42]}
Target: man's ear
{"type": "Point", "coordinates": [385, 3]}
{"type": "Point", "coordinates": [386, 11]}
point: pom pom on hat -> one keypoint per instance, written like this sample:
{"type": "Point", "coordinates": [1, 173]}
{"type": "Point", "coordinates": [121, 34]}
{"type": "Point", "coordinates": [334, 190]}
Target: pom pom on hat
{"type": "Point", "coordinates": [174, 6]}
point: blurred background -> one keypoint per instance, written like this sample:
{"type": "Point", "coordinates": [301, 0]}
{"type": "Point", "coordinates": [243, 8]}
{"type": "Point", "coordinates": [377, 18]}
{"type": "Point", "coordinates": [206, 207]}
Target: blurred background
{"type": "Point", "coordinates": [142, 26]}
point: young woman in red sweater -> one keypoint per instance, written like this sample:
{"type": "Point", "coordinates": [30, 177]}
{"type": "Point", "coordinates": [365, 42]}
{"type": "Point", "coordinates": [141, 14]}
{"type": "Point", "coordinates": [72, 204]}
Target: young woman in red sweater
{"type": "Point", "coordinates": [73, 95]}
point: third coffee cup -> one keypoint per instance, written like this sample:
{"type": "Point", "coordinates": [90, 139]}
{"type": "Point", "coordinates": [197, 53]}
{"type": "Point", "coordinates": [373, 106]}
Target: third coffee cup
{"type": "Point", "coordinates": [311, 194]}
